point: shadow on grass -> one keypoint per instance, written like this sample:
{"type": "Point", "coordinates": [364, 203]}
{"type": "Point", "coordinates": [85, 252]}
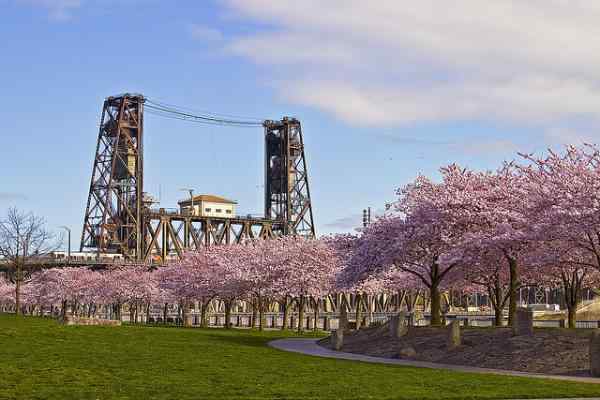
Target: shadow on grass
{"type": "Point", "coordinates": [255, 338]}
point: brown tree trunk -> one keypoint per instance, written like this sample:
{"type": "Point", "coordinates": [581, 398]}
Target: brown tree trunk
{"type": "Point", "coordinates": [63, 311]}
{"type": "Point", "coordinates": [358, 314]}
{"type": "Point", "coordinates": [228, 305]}
{"type": "Point", "coordinates": [436, 309]}
{"type": "Point", "coordinates": [513, 288]}
{"type": "Point", "coordinates": [498, 301]}
{"type": "Point", "coordinates": [254, 313]}
{"type": "Point", "coordinates": [301, 314]}
{"type": "Point", "coordinates": [18, 289]}
{"type": "Point", "coordinates": [165, 312]}
{"type": "Point", "coordinates": [572, 316]}
{"type": "Point", "coordinates": [571, 284]}
{"type": "Point", "coordinates": [131, 314]}
{"type": "Point", "coordinates": [316, 315]}
{"type": "Point", "coordinates": [286, 312]}
{"type": "Point", "coordinates": [261, 314]}
{"type": "Point", "coordinates": [204, 313]}
{"type": "Point", "coordinates": [185, 311]}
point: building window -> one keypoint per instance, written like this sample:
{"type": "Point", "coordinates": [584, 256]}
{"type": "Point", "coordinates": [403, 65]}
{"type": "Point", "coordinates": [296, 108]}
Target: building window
{"type": "Point", "coordinates": [228, 211]}
{"type": "Point", "coordinates": [218, 210]}
{"type": "Point", "coordinates": [207, 209]}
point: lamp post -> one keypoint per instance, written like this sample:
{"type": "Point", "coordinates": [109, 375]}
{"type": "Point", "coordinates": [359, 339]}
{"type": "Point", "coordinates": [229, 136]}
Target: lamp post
{"type": "Point", "coordinates": [69, 249]}
{"type": "Point", "coordinates": [191, 192]}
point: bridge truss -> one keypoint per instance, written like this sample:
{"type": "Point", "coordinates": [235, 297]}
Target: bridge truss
{"type": "Point", "coordinates": [118, 219]}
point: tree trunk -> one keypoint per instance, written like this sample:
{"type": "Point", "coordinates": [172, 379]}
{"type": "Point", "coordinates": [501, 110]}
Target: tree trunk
{"type": "Point", "coordinates": [436, 309]}
{"type": "Point", "coordinates": [165, 312]}
{"type": "Point", "coordinates": [497, 299]}
{"type": "Point", "coordinates": [63, 311]}
{"type": "Point", "coordinates": [131, 314]}
{"type": "Point", "coordinates": [185, 311]}
{"type": "Point", "coordinates": [358, 315]}
{"type": "Point", "coordinates": [571, 284]}
{"type": "Point", "coordinates": [513, 288]}
{"type": "Point", "coordinates": [254, 314]}
{"type": "Point", "coordinates": [301, 314]}
{"type": "Point", "coordinates": [572, 316]}
{"type": "Point", "coordinates": [18, 289]}
{"type": "Point", "coordinates": [286, 312]}
{"type": "Point", "coordinates": [228, 305]}
{"type": "Point", "coordinates": [261, 314]}
{"type": "Point", "coordinates": [316, 315]}
{"type": "Point", "coordinates": [203, 314]}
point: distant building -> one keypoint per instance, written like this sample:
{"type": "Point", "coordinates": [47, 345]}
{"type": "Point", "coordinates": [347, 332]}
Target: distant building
{"type": "Point", "coordinates": [208, 205]}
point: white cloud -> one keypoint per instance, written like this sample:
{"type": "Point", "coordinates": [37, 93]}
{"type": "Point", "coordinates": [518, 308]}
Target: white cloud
{"type": "Point", "coordinates": [59, 10]}
{"type": "Point", "coordinates": [392, 62]}
{"type": "Point", "coordinates": [205, 33]}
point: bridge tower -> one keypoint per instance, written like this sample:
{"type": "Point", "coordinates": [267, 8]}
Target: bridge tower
{"type": "Point", "coordinates": [113, 216]}
{"type": "Point", "coordinates": [287, 194]}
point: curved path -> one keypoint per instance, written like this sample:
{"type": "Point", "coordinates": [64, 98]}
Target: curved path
{"type": "Point", "coordinates": [310, 347]}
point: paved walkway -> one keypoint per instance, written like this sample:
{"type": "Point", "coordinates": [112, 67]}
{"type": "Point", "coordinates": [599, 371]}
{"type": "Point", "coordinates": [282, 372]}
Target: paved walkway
{"type": "Point", "coordinates": [310, 347]}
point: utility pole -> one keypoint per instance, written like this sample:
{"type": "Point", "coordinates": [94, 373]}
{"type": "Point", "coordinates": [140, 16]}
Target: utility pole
{"type": "Point", "coordinates": [69, 248]}
{"type": "Point", "coordinates": [191, 192]}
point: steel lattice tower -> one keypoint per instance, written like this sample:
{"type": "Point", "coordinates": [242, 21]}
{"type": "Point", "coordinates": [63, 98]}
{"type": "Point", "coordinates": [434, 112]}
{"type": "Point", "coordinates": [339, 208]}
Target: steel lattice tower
{"type": "Point", "coordinates": [117, 220]}
{"type": "Point", "coordinates": [113, 216]}
{"type": "Point", "coordinates": [287, 194]}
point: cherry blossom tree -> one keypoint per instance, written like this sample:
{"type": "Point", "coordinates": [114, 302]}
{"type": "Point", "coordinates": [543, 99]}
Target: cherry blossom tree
{"type": "Point", "coordinates": [309, 270]}
{"type": "Point", "coordinates": [564, 213]}
{"type": "Point", "coordinates": [415, 239]}
{"type": "Point", "coordinates": [7, 293]}
{"type": "Point", "coordinates": [491, 210]}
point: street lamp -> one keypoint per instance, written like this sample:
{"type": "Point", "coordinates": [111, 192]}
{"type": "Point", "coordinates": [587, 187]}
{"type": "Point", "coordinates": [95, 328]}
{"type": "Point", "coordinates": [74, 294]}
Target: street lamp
{"type": "Point", "coordinates": [69, 235]}
{"type": "Point", "coordinates": [191, 192]}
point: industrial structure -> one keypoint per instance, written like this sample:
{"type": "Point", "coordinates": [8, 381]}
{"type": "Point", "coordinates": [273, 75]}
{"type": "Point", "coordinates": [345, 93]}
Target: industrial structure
{"type": "Point", "coordinates": [120, 218]}
{"type": "Point", "coordinates": [207, 205]}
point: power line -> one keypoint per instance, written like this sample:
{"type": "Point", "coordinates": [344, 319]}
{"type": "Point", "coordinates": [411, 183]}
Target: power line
{"type": "Point", "coordinates": [169, 115]}
{"type": "Point", "coordinates": [203, 112]}
{"type": "Point", "coordinates": [159, 109]}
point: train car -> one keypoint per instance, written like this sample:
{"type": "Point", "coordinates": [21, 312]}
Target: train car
{"type": "Point", "coordinates": [86, 257]}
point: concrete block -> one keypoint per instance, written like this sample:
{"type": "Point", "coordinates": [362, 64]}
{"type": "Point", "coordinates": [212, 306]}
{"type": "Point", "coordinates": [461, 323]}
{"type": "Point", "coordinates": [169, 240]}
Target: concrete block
{"type": "Point", "coordinates": [523, 324]}
{"type": "Point", "coordinates": [407, 352]}
{"type": "Point", "coordinates": [343, 320]}
{"type": "Point", "coordinates": [398, 325]}
{"type": "Point", "coordinates": [337, 339]}
{"type": "Point", "coordinates": [454, 339]}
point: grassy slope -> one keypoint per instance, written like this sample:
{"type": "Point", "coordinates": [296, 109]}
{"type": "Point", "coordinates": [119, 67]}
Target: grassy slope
{"type": "Point", "coordinates": [40, 359]}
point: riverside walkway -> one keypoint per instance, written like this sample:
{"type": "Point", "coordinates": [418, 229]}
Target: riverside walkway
{"type": "Point", "coordinates": [310, 347]}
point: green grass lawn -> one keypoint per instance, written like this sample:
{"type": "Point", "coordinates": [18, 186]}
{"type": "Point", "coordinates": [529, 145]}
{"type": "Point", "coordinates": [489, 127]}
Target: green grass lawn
{"type": "Point", "coordinates": [40, 359]}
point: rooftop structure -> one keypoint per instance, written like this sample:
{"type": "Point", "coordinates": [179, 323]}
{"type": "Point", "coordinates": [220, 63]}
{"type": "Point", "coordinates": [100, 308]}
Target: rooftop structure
{"type": "Point", "coordinates": [208, 205]}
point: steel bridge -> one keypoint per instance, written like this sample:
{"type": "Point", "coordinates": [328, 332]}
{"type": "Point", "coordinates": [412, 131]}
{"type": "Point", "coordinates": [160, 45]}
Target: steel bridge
{"type": "Point", "coordinates": [120, 219]}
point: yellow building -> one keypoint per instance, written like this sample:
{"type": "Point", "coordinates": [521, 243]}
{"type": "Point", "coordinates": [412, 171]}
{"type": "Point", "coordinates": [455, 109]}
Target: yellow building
{"type": "Point", "coordinates": [208, 205]}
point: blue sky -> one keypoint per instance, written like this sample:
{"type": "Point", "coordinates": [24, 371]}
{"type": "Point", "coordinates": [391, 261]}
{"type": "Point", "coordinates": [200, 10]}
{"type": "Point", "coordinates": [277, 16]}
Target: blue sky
{"type": "Point", "coordinates": [384, 90]}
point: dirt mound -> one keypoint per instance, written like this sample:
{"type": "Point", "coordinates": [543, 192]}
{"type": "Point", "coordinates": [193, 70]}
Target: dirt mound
{"type": "Point", "coordinates": [549, 350]}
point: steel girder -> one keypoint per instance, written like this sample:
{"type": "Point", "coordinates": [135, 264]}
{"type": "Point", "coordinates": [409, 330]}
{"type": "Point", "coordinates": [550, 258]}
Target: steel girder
{"type": "Point", "coordinates": [169, 235]}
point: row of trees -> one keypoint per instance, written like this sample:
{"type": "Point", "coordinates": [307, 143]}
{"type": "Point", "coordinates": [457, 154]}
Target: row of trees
{"type": "Point", "coordinates": [288, 270]}
{"type": "Point", "coordinates": [536, 221]}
